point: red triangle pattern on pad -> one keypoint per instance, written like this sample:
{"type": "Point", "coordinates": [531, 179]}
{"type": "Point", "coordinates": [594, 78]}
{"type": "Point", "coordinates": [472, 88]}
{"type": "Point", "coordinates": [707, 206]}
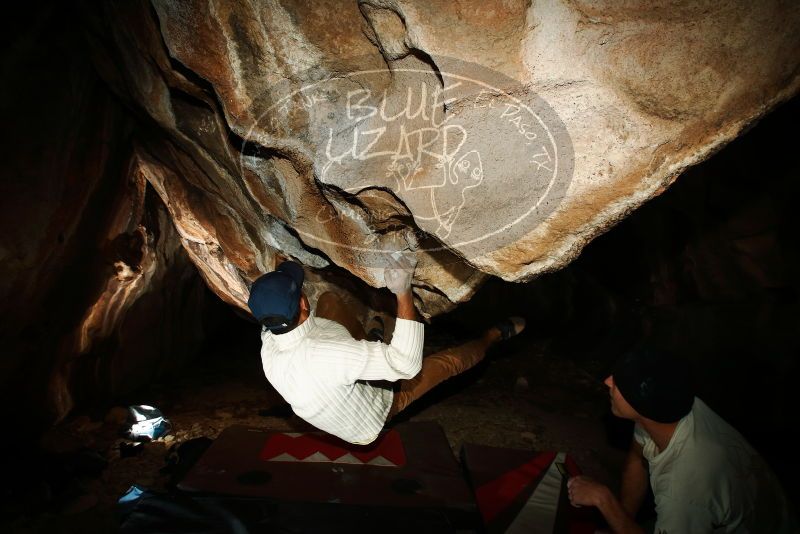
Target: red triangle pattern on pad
{"type": "Point", "coordinates": [387, 450]}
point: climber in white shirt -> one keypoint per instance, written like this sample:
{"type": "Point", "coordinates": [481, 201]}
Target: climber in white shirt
{"type": "Point", "coordinates": [704, 475]}
{"type": "Point", "coordinates": [319, 361]}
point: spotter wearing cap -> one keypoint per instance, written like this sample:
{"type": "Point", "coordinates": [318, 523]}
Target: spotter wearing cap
{"type": "Point", "coordinates": [655, 384]}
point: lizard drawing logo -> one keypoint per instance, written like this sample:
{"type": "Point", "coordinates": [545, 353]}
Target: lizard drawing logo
{"type": "Point", "coordinates": [477, 160]}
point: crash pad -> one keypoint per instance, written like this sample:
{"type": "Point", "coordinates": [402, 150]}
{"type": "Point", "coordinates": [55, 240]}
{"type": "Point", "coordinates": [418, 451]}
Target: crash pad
{"type": "Point", "coordinates": [410, 467]}
{"type": "Point", "coordinates": [524, 491]}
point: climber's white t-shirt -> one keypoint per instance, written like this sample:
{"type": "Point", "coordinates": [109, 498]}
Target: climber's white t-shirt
{"type": "Point", "coordinates": [709, 479]}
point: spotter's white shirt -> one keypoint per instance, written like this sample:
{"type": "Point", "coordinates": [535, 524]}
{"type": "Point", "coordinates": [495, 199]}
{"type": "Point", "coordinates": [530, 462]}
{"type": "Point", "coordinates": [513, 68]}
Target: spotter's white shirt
{"type": "Point", "coordinates": [709, 479]}
{"type": "Point", "coordinates": [320, 370]}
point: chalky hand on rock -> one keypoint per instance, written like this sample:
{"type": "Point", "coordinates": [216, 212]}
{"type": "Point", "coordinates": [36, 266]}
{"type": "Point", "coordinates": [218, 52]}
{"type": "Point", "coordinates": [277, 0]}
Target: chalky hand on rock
{"type": "Point", "coordinates": [400, 264]}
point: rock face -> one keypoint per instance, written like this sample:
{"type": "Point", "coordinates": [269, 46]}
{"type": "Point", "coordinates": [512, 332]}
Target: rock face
{"type": "Point", "coordinates": [97, 295]}
{"type": "Point", "coordinates": [507, 134]}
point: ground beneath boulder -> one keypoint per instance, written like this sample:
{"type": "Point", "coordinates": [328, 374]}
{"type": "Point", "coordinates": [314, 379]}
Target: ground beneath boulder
{"type": "Point", "coordinates": [520, 396]}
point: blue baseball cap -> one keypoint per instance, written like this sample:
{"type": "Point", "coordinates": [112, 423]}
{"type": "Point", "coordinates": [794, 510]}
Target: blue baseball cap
{"type": "Point", "coordinates": [275, 296]}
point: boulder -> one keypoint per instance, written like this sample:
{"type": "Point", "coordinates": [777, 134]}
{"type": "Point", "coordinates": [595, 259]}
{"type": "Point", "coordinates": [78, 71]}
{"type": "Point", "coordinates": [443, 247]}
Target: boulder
{"type": "Point", "coordinates": [507, 135]}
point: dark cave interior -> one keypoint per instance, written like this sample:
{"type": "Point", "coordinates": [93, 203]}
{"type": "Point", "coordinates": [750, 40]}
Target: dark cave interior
{"type": "Point", "coordinates": [710, 270]}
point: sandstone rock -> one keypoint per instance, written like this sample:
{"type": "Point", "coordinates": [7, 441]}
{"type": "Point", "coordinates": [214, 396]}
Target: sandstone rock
{"type": "Point", "coordinates": [261, 155]}
{"type": "Point", "coordinates": [105, 217]}
{"type": "Point", "coordinates": [97, 295]}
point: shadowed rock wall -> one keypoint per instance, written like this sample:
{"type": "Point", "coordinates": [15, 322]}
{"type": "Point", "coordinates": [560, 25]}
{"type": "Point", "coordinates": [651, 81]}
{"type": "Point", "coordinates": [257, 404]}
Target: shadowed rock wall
{"type": "Point", "coordinates": [97, 295]}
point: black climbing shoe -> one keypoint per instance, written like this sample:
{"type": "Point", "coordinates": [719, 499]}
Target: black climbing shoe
{"type": "Point", "coordinates": [510, 327]}
{"type": "Point", "coordinates": [375, 329]}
